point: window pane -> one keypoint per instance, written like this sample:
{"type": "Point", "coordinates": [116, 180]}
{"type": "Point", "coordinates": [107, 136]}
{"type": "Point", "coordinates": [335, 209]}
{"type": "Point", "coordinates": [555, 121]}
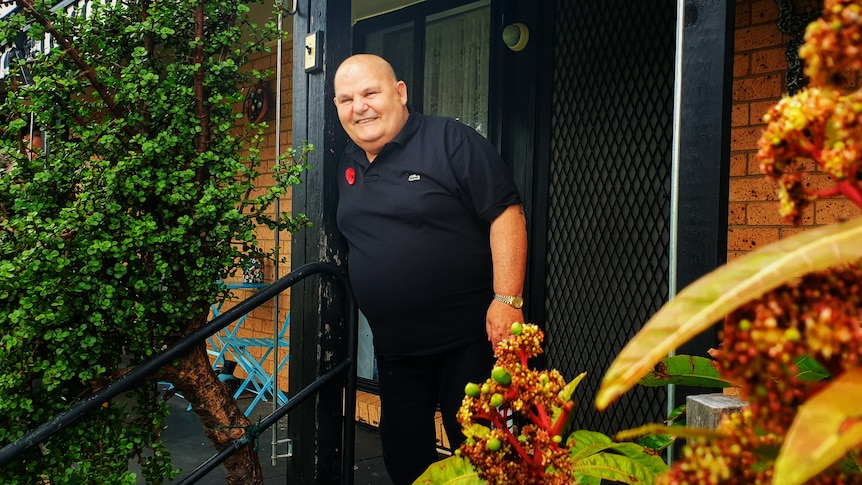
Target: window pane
{"type": "Point", "coordinates": [395, 44]}
{"type": "Point", "coordinates": [456, 65]}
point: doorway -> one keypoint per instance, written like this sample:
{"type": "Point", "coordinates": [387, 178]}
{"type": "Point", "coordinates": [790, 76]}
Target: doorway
{"type": "Point", "coordinates": [442, 52]}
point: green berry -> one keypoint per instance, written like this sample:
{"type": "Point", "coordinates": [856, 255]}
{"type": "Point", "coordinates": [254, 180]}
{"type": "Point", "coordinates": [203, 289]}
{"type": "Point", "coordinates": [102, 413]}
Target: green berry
{"type": "Point", "coordinates": [517, 328]}
{"type": "Point", "coordinates": [557, 439]}
{"type": "Point", "coordinates": [497, 400]}
{"type": "Point", "coordinates": [471, 389]}
{"type": "Point", "coordinates": [494, 444]}
{"type": "Point", "coordinates": [792, 334]}
{"type": "Point", "coordinates": [486, 388]}
{"type": "Point", "coordinates": [501, 376]}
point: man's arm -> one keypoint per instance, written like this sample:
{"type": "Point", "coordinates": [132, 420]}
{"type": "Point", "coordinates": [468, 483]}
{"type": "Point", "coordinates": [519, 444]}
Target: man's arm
{"type": "Point", "coordinates": [509, 256]}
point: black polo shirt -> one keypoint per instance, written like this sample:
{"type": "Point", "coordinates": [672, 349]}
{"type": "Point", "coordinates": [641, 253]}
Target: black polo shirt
{"type": "Point", "coordinates": [417, 224]}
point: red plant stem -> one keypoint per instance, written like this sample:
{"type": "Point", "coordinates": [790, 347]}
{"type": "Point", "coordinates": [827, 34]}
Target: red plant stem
{"type": "Point", "coordinates": [824, 192]}
{"type": "Point", "coordinates": [545, 423]}
{"type": "Point", "coordinates": [846, 187]}
{"type": "Point", "coordinates": [537, 460]}
{"type": "Point", "coordinates": [516, 445]}
{"type": "Point", "coordinates": [562, 418]}
{"type": "Point", "coordinates": [807, 147]}
{"type": "Point", "coordinates": [851, 190]}
{"type": "Point", "coordinates": [533, 417]}
{"type": "Point", "coordinates": [498, 421]}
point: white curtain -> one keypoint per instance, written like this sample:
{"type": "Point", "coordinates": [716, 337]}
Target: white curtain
{"type": "Point", "coordinates": [456, 67]}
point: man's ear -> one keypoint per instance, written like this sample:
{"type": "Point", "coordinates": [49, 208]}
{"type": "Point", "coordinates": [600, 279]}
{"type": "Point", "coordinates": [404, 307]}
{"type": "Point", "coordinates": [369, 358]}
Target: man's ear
{"type": "Point", "coordinates": [401, 89]}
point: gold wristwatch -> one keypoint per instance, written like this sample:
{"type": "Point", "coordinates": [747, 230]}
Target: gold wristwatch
{"type": "Point", "coordinates": [514, 301]}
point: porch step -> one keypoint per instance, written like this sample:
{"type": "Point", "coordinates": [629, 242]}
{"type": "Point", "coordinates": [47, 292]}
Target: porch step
{"type": "Point", "coordinates": [368, 412]}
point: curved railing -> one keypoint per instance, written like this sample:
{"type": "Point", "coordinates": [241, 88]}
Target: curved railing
{"type": "Point", "coordinates": [141, 373]}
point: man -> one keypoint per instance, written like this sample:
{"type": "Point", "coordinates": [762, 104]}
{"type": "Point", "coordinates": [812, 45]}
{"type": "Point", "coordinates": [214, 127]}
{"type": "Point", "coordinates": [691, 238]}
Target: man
{"type": "Point", "coordinates": [437, 252]}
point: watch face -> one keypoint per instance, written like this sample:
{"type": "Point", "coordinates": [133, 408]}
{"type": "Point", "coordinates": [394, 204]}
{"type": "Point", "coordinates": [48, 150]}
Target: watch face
{"type": "Point", "coordinates": [517, 301]}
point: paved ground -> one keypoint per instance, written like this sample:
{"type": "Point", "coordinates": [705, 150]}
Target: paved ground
{"type": "Point", "coordinates": [189, 448]}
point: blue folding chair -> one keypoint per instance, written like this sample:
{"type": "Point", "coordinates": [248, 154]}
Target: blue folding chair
{"type": "Point", "coordinates": [258, 381]}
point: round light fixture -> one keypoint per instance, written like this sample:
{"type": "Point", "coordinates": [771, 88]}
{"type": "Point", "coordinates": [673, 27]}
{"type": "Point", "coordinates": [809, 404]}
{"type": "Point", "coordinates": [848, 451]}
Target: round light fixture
{"type": "Point", "coordinates": [516, 36]}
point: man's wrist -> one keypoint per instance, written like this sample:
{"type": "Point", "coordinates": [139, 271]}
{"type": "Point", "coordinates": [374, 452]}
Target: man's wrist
{"type": "Point", "coordinates": [515, 301]}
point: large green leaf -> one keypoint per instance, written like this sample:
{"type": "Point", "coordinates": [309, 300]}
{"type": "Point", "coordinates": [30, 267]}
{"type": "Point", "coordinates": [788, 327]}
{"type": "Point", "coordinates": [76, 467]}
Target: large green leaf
{"type": "Point", "coordinates": [455, 470]}
{"type": "Point", "coordinates": [613, 467]}
{"type": "Point", "coordinates": [584, 442]}
{"type": "Point", "coordinates": [811, 370]}
{"type": "Point", "coordinates": [596, 455]}
{"type": "Point", "coordinates": [713, 296]}
{"type": "Point", "coordinates": [685, 370]}
{"type": "Point", "coordinates": [826, 427]}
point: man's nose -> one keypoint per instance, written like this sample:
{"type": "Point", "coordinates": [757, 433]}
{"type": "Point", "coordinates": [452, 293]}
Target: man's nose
{"type": "Point", "coordinates": [359, 105]}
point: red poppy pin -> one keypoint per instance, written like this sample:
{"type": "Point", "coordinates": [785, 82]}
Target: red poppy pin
{"type": "Point", "coordinates": [350, 175]}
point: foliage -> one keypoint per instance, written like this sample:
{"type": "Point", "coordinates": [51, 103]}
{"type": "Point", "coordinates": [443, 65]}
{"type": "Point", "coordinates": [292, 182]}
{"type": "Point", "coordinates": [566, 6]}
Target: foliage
{"type": "Point", "coordinates": [681, 370]}
{"type": "Point", "coordinates": [685, 370]}
{"type": "Point", "coordinates": [533, 451]}
{"type": "Point", "coordinates": [114, 232]}
{"type": "Point", "coordinates": [792, 333]}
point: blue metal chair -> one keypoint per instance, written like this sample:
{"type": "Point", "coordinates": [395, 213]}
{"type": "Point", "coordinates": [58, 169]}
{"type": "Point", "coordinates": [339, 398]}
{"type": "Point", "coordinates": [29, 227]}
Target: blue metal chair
{"type": "Point", "coordinates": [258, 381]}
{"type": "Point", "coordinates": [226, 345]}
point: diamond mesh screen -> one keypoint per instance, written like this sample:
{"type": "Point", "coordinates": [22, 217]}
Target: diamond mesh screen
{"type": "Point", "coordinates": [609, 197]}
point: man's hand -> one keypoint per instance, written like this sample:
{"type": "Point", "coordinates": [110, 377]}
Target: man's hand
{"type": "Point", "coordinates": [498, 321]}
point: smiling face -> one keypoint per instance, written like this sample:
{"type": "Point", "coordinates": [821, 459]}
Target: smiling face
{"type": "Point", "coordinates": [371, 102]}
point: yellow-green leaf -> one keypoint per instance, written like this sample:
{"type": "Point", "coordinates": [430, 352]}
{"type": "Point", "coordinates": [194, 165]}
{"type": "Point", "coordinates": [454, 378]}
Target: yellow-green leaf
{"type": "Point", "coordinates": [678, 431]}
{"type": "Point", "coordinates": [713, 296]}
{"type": "Point", "coordinates": [617, 468]}
{"type": "Point", "coordinates": [826, 427]}
{"type": "Point", "coordinates": [455, 470]}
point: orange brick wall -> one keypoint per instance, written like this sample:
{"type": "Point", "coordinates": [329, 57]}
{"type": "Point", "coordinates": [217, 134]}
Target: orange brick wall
{"type": "Point", "coordinates": [758, 83]}
{"type": "Point", "coordinates": [260, 322]}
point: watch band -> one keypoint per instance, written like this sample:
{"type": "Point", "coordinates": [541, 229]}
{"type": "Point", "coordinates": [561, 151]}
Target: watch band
{"type": "Point", "coordinates": [515, 301]}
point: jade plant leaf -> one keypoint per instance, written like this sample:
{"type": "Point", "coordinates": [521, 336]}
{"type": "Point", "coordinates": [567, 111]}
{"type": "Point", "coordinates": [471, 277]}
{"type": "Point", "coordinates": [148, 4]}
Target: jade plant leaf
{"type": "Point", "coordinates": [455, 470]}
{"type": "Point", "coordinates": [685, 370]}
{"type": "Point", "coordinates": [826, 427]}
{"type": "Point", "coordinates": [718, 293]}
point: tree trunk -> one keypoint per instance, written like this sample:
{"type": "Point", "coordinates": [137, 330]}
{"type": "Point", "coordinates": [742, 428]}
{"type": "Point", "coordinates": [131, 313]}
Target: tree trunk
{"type": "Point", "coordinates": [218, 412]}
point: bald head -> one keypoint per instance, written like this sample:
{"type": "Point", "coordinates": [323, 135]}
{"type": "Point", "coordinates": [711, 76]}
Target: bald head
{"type": "Point", "coordinates": [370, 62]}
{"type": "Point", "coordinates": [371, 102]}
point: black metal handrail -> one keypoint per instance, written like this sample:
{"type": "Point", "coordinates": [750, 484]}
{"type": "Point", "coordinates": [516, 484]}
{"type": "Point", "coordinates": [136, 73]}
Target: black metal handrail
{"type": "Point", "coordinates": [139, 374]}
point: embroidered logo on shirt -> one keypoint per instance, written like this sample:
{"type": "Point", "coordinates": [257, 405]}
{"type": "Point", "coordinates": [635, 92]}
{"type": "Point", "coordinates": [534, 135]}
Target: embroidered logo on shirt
{"type": "Point", "coordinates": [350, 175]}
{"type": "Point", "coordinates": [413, 177]}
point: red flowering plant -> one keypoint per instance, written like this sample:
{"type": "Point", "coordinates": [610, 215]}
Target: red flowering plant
{"type": "Point", "coordinates": [516, 424]}
{"type": "Point", "coordinates": [792, 311]}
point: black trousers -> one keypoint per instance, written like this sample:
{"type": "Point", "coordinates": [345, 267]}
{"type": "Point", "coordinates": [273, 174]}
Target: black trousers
{"type": "Point", "coordinates": [411, 388]}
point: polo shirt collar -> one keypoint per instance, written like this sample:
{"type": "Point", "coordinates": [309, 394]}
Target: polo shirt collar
{"type": "Point", "coordinates": [410, 128]}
